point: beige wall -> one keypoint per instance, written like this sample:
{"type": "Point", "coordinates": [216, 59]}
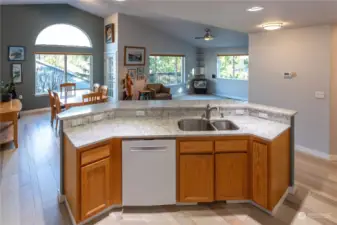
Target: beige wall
{"type": "Point", "coordinates": [306, 51]}
{"type": "Point", "coordinates": [333, 94]}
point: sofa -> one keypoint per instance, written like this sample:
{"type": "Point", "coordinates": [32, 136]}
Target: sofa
{"type": "Point", "coordinates": [159, 92]}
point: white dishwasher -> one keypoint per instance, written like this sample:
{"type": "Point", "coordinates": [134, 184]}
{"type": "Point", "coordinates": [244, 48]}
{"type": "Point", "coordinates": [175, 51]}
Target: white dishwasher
{"type": "Point", "coordinates": [149, 172]}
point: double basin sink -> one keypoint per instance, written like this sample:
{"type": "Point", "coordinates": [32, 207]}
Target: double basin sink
{"type": "Point", "coordinates": [206, 125]}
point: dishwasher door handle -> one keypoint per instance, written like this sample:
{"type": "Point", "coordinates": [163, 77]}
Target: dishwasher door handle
{"type": "Point", "coordinates": [149, 149]}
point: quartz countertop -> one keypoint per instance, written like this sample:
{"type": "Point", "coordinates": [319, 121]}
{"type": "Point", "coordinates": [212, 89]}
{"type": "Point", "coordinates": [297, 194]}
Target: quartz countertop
{"type": "Point", "coordinates": [128, 128]}
{"type": "Point", "coordinates": [137, 105]}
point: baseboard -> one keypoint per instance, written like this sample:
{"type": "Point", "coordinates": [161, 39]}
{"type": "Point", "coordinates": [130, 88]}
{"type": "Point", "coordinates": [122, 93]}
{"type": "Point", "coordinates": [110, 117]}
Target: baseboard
{"type": "Point", "coordinates": [280, 202]}
{"type": "Point", "coordinates": [32, 111]}
{"type": "Point", "coordinates": [230, 96]}
{"type": "Point", "coordinates": [313, 152]}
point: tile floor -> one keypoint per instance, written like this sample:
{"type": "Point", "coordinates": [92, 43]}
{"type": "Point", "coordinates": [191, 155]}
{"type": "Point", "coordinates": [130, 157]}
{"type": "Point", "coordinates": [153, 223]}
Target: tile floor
{"type": "Point", "coordinates": [29, 179]}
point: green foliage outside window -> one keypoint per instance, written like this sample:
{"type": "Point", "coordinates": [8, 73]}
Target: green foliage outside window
{"type": "Point", "coordinates": [168, 70]}
{"type": "Point", "coordinates": [233, 67]}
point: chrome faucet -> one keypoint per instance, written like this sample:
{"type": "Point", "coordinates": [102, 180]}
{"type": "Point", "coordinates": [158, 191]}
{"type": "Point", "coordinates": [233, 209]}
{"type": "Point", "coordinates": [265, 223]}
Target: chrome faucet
{"type": "Point", "coordinates": [208, 112]}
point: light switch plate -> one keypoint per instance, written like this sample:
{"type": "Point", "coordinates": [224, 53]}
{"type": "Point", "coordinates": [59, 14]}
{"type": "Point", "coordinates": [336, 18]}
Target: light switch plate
{"type": "Point", "coordinates": [263, 115]}
{"type": "Point", "coordinates": [319, 94]}
{"type": "Point", "coordinates": [239, 111]}
{"type": "Point", "coordinates": [140, 113]}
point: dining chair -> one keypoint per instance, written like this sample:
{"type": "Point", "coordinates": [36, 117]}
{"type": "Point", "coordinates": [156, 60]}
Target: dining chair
{"type": "Point", "coordinates": [104, 90]}
{"type": "Point", "coordinates": [58, 108]}
{"type": "Point", "coordinates": [96, 87]}
{"type": "Point", "coordinates": [68, 87]}
{"type": "Point", "coordinates": [92, 98]}
{"type": "Point", "coordinates": [52, 106]}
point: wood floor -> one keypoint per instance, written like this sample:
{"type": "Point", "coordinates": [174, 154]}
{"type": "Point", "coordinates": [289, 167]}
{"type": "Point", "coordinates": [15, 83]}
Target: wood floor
{"type": "Point", "coordinates": [29, 179]}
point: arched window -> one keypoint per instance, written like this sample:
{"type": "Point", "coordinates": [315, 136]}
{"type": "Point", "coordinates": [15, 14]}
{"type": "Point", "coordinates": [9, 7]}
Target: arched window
{"type": "Point", "coordinates": [53, 69]}
{"type": "Point", "coordinates": [63, 35]}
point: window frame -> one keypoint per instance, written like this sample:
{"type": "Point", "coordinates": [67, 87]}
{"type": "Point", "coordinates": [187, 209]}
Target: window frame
{"type": "Point", "coordinates": [218, 66]}
{"type": "Point", "coordinates": [65, 54]}
{"type": "Point", "coordinates": [183, 67]}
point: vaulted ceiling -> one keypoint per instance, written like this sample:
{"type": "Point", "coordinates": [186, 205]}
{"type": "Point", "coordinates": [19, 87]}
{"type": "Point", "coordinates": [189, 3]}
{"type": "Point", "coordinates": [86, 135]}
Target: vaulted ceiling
{"type": "Point", "coordinates": [188, 18]}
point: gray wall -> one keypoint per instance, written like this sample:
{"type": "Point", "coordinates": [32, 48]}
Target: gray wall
{"type": "Point", "coordinates": [237, 89]}
{"type": "Point", "coordinates": [131, 32]}
{"type": "Point", "coordinates": [22, 24]}
{"type": "Point", "coordinates": [306, 51]}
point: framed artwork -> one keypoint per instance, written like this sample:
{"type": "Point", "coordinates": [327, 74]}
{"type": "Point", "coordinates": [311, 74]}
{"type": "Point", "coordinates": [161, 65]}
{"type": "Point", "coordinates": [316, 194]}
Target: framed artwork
{"type": "Point", "coordinates": [109, 33]}
{"type": "Point", "coordinates": [140, 71]}
{"type": "Point", "coordinates": [16, 53]}
{"type": "Point", "coordinates": [132, 73]}
{"type": "Point", "coordinates": [16, 73]}
{"type": "Point", "coordinates": [134, 56]}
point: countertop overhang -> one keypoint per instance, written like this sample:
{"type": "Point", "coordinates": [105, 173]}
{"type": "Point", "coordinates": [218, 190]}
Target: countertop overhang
{"type": "Point", "coordinates": [148, 105]}
{"type": "Point", "coordinates": [133, 128]}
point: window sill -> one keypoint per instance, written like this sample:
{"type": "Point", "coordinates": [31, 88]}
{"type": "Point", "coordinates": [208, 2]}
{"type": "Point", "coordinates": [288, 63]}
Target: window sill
{"type": "Point", "coordinates": [220, 78]}
{"type": "Point", "coordinates": [41, 95]}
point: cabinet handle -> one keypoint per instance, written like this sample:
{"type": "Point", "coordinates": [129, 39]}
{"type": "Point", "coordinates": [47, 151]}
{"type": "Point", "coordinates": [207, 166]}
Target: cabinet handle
{"type": "Point", "coordinates": [147, 149]}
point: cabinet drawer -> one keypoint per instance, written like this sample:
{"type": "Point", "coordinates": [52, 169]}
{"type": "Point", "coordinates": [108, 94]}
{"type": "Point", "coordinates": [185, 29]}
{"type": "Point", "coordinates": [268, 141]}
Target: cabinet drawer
{"type": "Point", "coordinates": [95, 154]}
{"type": "Point", "coordinates": [231, 146]}
{"type": "Point", "coordinates": [196, 147]}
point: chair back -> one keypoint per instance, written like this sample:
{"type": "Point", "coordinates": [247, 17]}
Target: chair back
{"type": "Point", "coordinates": [104, 90]}
{"type": "Point", "coordinates": [57, 103]}
{"type": "Point", "coordinates": [68, 87]}
{"type": "Point", "coordinates": [92, 98]}
{"type": "Point", "coordinates": [51, 98]}
{"type": "Point", "coordinates": [96, 87]}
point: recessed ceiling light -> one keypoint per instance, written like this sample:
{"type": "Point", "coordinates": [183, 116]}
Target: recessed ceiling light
{"type": "Point", "coordinates": [272, 26]}
{"type": "Point", "coordinates": [255, 9]}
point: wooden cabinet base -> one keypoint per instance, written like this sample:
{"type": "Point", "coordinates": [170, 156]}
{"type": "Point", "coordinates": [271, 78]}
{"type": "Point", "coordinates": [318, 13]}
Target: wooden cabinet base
{"type": "Point", "coordinates": [92, 178]}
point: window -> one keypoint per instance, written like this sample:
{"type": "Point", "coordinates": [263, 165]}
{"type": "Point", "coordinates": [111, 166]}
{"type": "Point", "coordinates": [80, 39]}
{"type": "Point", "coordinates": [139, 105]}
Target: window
{"type": "Point", "coordinates": [233, 67]}
{"type": "Point", "coordinates": [167, 69]}
{"type": "Point", "coordinates": [63, 35]}
{"type": "Point", "coordinates": [51, 70]}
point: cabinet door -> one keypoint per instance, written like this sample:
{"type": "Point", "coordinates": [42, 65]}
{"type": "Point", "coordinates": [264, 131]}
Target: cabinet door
{"type": "Point", "coordinates": [196, 178]}
{"type": "Point", "coordinates": [95, 188]}
{"type": "Point", "coordinates": [260, 173]}
{"type": "Point", "coordinates": [231, 176]}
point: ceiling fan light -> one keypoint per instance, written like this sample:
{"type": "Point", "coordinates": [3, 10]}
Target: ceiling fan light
{"type": "Point", "coordinates": [255, 9]}
{"type": "Point", "coordinates": [272, 26]}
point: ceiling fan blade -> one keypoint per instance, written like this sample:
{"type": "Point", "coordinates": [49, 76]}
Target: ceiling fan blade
{"type": "Point", "coordinates": [199, 38]}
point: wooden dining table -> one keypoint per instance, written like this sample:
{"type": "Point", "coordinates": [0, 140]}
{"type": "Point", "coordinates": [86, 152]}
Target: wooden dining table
{"type": "Point", "coordinates": [75, 98]}
{"type": "Point", "coordinates": [9, 121]}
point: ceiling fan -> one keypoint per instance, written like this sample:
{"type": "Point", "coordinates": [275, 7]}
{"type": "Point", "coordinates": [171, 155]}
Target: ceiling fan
{"type": "Point", "coordinates": [208, 35]}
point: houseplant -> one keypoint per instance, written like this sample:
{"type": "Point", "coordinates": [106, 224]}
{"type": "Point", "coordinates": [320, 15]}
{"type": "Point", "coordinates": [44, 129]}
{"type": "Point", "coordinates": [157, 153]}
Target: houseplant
{"type": "Point", "coordinates": [7, 91]}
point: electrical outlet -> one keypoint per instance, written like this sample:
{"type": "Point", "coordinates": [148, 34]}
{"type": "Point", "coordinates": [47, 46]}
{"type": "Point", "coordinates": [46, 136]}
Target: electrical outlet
{"type": "Point", "coordinates": [239, 112]}
{"type": "Point", "coordinates": [98, 117]}
{"type": "Point", "coordinates": [20, 97]}
{"type": "Point", "coordinates": [263, 115]}
{"type": "Point", "coordinates": [140, 113]}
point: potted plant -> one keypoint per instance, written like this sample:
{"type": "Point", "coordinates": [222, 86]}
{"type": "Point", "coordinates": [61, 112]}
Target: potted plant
{"type": "Point", "coordinates": [7, 92]}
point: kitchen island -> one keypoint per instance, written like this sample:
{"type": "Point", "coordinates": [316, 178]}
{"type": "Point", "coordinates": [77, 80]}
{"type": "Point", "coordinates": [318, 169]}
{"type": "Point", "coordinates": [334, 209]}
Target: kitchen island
{"type": "Point", "coordinates": [100, 146]}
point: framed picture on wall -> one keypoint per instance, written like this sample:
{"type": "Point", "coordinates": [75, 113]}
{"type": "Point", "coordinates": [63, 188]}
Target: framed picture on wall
{"type": "Point", "coordinates": [16, 53]}
{"type": "Point", "coordinates": [140, 71]}
{"type": "Point", "coordinates": [132, 73]}
{"type": "Point", "coordinates": [16, 73]}
{"type": "Point", "coordinates": [109, 33]}
{"type": "Point", "coordinates": [134, 56]}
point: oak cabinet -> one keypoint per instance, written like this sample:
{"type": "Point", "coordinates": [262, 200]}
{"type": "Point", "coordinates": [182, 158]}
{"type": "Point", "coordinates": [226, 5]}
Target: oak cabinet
{"type": "Point", "coordinates": [95, 188]}
{"type": "Point", "coordinates": [260, 173]}
{"type": "Point", "coordinates": [196, 178]}
{"type": "Point", "coordinates": [231, 176]}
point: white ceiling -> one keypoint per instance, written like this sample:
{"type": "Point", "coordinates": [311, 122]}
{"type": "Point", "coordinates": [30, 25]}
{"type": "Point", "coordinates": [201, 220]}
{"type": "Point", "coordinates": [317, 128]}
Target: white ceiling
{"type": "Point", "coordinates": [172, 15]}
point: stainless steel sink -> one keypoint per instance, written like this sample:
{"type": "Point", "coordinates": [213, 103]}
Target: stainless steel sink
{"type": "Point", "coordinates": [224, 125]}
{"type": "Point", "coordinates": [195, 125]}
{"type": "Point", "coordinates": [206, 125]}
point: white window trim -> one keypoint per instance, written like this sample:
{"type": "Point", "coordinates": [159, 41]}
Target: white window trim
{"type": "Point", "coordinates": [218, 68]}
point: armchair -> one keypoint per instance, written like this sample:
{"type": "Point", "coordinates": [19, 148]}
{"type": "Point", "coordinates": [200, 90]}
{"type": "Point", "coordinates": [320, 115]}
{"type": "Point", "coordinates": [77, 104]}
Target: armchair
{"type": "Point", "coordinates": [159, 92]}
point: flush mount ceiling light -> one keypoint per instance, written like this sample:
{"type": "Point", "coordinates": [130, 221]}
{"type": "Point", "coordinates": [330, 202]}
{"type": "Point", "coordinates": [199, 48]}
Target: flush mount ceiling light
{"type": "Point", "coordinates": [272, 26]}
{"type": "Point", "coordinates": [255, 9]}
